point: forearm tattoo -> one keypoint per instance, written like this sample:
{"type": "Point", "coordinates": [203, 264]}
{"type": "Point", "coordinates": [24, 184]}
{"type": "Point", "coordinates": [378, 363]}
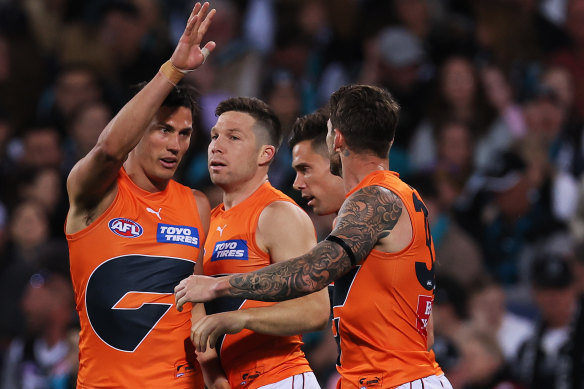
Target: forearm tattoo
{"type": "Point", "coordinates": [366, 216]}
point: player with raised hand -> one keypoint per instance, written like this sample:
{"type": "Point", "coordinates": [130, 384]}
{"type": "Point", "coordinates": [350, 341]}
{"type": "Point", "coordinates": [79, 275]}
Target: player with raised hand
{"type": "Point", "coordinates": [134, 232]}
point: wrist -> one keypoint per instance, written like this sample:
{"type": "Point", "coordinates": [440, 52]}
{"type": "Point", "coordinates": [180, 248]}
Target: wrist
{"type": "Point", "coordinates": [222, 287]}
{"type": "Point", "coordinates": [171, 72]}
{"type": "Point", "coordinates": [221, 383]}
{"type": "Point", "coordinates": [247, 318]}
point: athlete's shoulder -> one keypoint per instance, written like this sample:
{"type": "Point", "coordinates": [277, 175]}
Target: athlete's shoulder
{"type": "Point", "coordinates": [284, 212]}
{"type": "Point", "coordinates": [284, 208]}
{"type": "Point", "coordinates": [274, 194]}
{"type": "Point", "coordinates": [201, 198]}
{"type": "Point", "coordinates": [372, 195]}
{"type": "Point", "coordinates": [385, 183]}
{"type": "Point", "coordinates": [203, 207]}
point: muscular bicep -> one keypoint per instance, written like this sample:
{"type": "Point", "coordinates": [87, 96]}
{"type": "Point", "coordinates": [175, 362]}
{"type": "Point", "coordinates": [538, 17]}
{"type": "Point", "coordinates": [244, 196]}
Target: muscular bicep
{"type": "Point", "coordinates": [91, 188]}
{"type": "Point", "coordinates": [92, 178]}
{"type": "Point", "coordinates": [366, 217]}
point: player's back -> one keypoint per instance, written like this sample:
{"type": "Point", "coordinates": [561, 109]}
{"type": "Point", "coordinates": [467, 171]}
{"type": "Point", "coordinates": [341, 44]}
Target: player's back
{"type": "Point", "coordinates": [249, 359]}
{"type": "Point", "coordinates": [381, 308]}
{"type": "Point", "coordinates": [124, 267]}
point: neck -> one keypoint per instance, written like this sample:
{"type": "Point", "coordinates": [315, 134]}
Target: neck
{"type": "Point", "coordinates": [357, 166]}
{"type": "Point", "coordinates": [141, 180]}
{"type": "Point", "coordinates": [235, 194]}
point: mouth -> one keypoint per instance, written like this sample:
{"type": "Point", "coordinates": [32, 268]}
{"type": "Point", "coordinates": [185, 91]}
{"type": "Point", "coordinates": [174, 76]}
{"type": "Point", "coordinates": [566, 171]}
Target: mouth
{"type": "Point", "coordinates": [309, 200]}
{"type": "Point", "coordinates": [216, 165]}
{"type": "Point", "coordinates": [169, 162]}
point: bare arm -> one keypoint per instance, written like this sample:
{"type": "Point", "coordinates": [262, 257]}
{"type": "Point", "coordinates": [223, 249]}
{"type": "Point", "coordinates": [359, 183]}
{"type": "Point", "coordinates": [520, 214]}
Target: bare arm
{"type": "Point", "coordinates": [210, 366]}
{"type": "Point", "coordinates": [367, 216]}
{"type": "Point", "coordinates": [204, 215]}
{"type": "Point", "coordinates": [430, 332]}
{"type": "Point", "coordinates": [284, 241]}
{"type": "Point", "coordinates": [208, 360]}
{"type": "Point", "coordinates": [91, 183]}
{"type": "Point", "coordinates": [308, 313]}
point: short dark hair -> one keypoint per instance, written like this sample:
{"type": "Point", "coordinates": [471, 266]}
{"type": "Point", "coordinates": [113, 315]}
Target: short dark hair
{"type": "Point", "coordinates": [259, 110]}
{"type": "Point", "coordinates": [311, 127]}
{"type": "Point", "coordinates": [367, 117]}
{"type": "Point", "coordinates": [182, 95]}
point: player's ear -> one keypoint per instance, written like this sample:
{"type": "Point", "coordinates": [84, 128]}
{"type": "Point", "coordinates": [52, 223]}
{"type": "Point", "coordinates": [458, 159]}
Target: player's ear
{"type": "Point", "coordinates": [267, 153]}
{"type": "Point", "coordinates": [339, 140]}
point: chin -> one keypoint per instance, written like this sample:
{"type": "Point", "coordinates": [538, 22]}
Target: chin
{"type": "Point", "coordinates": [165, 175]}
{"type": "Point", "coordinates": [323, 212]}
{"type": "Point", "coordinates": [218, 180]}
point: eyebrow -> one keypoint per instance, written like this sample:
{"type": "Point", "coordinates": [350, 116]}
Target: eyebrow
{"type": "Point", "coordinates": [229, 130]}
{"type": "Point", "coordinates": [300, 165]}
{"type": "Point", "coordinates": [168, 126]}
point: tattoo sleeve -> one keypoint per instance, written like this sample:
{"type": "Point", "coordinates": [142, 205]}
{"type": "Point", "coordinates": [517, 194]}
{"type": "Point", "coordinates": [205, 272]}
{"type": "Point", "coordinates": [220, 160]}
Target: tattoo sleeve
{"type": "Point", "coordinates": [366, 216]}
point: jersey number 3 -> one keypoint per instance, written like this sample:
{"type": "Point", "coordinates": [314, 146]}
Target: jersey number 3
{"type": "Point", "coordinates": [425, 276]}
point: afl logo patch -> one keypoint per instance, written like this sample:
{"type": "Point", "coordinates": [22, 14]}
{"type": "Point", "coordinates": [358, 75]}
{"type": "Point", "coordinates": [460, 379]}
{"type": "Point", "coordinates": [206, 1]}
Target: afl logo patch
{"type": "Point", "coordinates": [125, 227]}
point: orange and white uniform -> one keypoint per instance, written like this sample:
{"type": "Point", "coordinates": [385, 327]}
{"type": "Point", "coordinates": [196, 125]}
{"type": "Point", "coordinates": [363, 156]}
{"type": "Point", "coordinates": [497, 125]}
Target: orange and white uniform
{"type": "Point", "coordinates": [249, 359]}
{"type": "Point", "coordinates": [124, 268]}
{"type": "Point", "coordinates": [381, 307]}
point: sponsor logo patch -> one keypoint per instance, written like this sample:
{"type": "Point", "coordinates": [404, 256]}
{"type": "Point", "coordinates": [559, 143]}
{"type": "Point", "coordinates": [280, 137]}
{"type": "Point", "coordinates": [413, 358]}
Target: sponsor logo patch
{"type": "Point", "coordinates": [183, 369]}
{"type": "Point", "coordinates": [230, 249]}
{"type": "Point", "coordinates": [367, 382]}
{"type": "Point", "coordinates": [250, 375]}
{"type": "Point", "coordinates": [168, 233]}
{"type": "Point", "coordinates": [423, 311]}
{"type": "Point", "coordinates": [125, 227]}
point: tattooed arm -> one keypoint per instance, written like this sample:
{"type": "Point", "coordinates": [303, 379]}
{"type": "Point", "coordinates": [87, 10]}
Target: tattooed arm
{"type": "Point", "coordinates": [367, 216]}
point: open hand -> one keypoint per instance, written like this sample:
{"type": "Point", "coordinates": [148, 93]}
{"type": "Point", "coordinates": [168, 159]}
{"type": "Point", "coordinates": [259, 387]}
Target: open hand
{"type": "Point", "coordinates": [188, 54]}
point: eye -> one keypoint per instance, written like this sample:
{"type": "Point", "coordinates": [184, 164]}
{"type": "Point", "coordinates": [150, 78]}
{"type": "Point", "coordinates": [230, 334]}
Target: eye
{"type": "Point", "coordinates": [234, 137]}
{"type": "Point", "coordinates": [214, 136]}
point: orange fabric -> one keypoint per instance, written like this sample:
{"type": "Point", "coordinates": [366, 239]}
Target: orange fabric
{"type": "Point", "coordinates": [381, 307]}
{"type": "Point", "coordinates": [249, 359]}
{"type": "Point", "coordinates": [124, 268]}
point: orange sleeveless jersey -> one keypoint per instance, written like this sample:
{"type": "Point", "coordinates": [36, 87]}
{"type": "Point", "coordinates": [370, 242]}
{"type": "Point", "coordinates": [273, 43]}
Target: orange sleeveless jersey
{"type": "Point", "coordinates": [124, 267]}
{"type": "Point", "coordinates": [249, 359]}
{"type": "Point", "coordinates": [381, 308]}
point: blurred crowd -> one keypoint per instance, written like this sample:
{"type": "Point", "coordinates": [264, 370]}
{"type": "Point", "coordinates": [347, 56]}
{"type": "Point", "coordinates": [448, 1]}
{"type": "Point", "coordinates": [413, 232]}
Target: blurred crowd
{"type": "Point", "coordinates": [490, 133]}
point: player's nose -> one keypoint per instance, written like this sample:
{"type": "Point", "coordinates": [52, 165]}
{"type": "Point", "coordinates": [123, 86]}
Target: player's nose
{"type": "Point", "coordinates": [299, 182]}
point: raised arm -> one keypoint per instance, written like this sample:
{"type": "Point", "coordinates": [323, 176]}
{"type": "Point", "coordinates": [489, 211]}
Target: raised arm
{"type": "Point", "coordinates": [308, 313]}
{"type": "Point", "coordinates": [91, 183]}
{"type": "Point", "coordinates": [367, 216]}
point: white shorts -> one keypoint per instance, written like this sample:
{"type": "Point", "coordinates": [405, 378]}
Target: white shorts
{"type": "Point", "coordinates": [430, 382]}
{"type": "Point", "coordinates": [298, 381]}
